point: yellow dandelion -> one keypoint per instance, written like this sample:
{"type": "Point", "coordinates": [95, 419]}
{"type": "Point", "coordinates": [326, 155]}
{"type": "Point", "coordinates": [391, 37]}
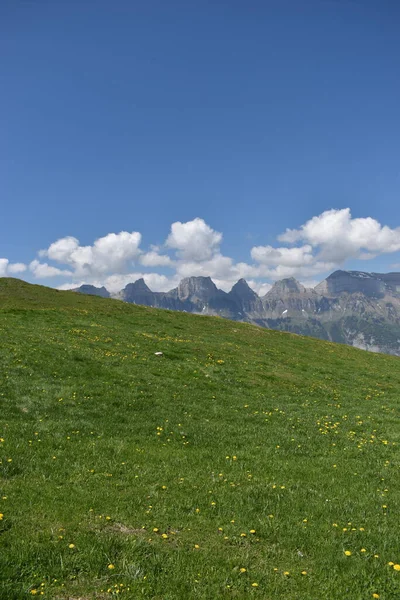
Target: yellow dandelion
{"type": "Point", "coordinates": [304, 572]}
{"type": "Point", "coordinates": [286, 573]}
{"type": "Point", "coordinates": [111, 566]}
{"type": "Point", "coordinates": [164, 535]}
{"type": "Point", "coordinates": [347, 552]}
{"type": "Point", "coordinates": [254, 584]}
{"type": "Point", "coordinates": [390, 564]}
{"type": "Point", "coordinates": [375, 595]}
{"type": "Point", "coordinates": [155, 529]}
{"type": "Point", "coordinates": [396, 567]}
{"type": "Point", "coordinates": [71, 546]}
{"type": "Point", "coordinates": [242, 570]}
{"type": "Point", "coordinates": [363, 550]}
{"type": "Point", "coordinates": [196, 546]}
{"type": "Point", "coordinates": [252, 530]}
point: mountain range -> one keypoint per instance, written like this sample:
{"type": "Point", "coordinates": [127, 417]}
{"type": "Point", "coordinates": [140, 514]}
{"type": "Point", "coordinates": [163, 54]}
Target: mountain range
{"type": "Point", "coordinates": [350, 307]}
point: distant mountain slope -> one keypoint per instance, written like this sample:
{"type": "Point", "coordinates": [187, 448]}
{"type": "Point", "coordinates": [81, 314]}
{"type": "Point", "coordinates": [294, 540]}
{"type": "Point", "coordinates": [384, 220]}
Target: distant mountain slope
{"type": "Point", "coordinates": [350, 307]}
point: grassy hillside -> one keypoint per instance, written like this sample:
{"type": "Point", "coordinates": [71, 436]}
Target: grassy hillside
{"type": "Point", "coordinates": [242, 463]}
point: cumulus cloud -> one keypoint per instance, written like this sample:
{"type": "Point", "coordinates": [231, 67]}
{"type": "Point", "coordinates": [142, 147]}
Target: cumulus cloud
{"type": "Point", "coordinates": [7, 268]}
{"type": "Point", "coordinates": [44, 270]}
{"type": "Point", "coordinates": [218, 266]}
{"type": "Point", "coordinates": [287, 257]}
{"type": "Point", "coordinates": [259, 287]}
{"type": "Point", "coordinates": [194, 240]}
{"type": "Point", "coordinates": [340, 237]}
{"type": "Point", "coordinates": [111, 253]}
{"type": "Point", "coordinates": [154, 259]}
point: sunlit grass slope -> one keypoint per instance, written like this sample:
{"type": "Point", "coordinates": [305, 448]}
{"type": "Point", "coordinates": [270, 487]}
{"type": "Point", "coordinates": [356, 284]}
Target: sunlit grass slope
{"type": "Point", "coordinates": [243, 463]}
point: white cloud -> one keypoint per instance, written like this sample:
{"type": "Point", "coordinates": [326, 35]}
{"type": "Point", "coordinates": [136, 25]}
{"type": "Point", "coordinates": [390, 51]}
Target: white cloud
{"type": "Point", "coordinates": [288, 257]}
{"type": "Point", "coordinates": [114, 252]}
{"type": "Point", "coordinates": [260, 288]}
{"type": "Point", "coordinates": [44, 270]}
{"type": "Point", "coordinates": [339, 237]}
{"type": "Point", "coordinates": [154, 259]}
{"type": "Point", "coordinates": [218, 266]}
{"type": "Point", "coordinates": [7, 269]}
{"type": "Point", "coordinates": [15, 268]}
{"type": "Point", "coordinates": [194, 240]}
{"type": "Point", "coordinates": [62, 250]}
{"type": "Point", "coordinates": [3, 267]}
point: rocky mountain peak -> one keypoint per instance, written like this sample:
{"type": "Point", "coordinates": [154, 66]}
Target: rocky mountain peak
{"type": "Point", "coordinates": [286, 286]}
{"type": "Point", "coordinates": [199, 287]}
{"type": "Point", "coordinates": [138, 286]}
{"type": "Point", "coordinates": [351, 282]}
{"type": "Point", "coordinates": [93, 290]}
{"type": "Point", "coordinates": [242, 290]}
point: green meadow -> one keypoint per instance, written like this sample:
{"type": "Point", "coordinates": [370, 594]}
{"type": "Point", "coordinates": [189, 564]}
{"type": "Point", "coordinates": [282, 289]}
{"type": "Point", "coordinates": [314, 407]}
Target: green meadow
{"type": "Point", "coordinates": [242, 463]}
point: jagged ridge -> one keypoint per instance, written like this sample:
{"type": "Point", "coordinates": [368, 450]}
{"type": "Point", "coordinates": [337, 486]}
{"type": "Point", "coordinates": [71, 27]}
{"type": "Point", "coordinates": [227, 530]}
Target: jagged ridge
{"type": "Point", "coordinates": [352, 307]}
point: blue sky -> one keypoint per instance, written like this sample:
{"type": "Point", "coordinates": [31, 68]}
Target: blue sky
{"type": "Point", "coordinates": [203, 130]}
